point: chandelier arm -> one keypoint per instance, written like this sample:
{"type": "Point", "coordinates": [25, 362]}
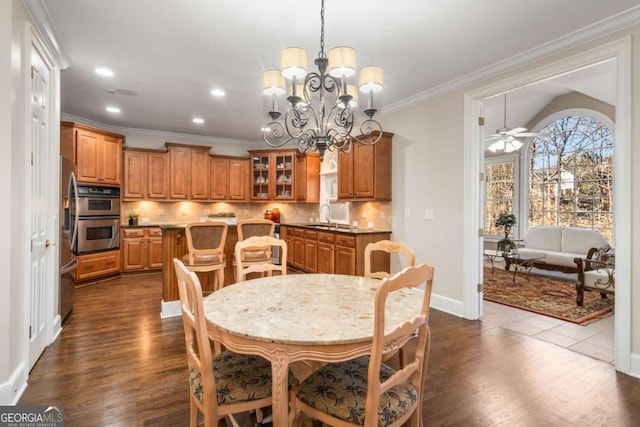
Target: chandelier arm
{"type": "Point", "coordinates": [275, 130]}
{"type": "Point", "coordinates": [369, 127]}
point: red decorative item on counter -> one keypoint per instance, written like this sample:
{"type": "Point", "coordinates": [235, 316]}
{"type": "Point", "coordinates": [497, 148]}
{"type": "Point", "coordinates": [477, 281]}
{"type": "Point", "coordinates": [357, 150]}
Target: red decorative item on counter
{"type": "Point", "coordinates": [273, 214]}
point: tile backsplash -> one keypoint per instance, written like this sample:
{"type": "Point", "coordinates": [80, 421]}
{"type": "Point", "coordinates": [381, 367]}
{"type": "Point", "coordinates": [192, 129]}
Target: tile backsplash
{"type": "Point", "coordinates": [377, 213]}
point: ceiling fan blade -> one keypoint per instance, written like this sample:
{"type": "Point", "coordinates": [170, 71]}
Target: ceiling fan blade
{"type": "Point", "coordinates": [517, 130]}
{"type": "Point", "coordinates": [493, 137]}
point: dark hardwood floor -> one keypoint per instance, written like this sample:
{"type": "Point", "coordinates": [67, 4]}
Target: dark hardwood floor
{"type": "Point", "coordinates": [118, 364]}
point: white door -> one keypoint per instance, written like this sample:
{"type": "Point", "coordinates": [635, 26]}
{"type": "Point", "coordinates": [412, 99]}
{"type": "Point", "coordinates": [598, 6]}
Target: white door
{"type": "Point", "coordinates": [43, 209]}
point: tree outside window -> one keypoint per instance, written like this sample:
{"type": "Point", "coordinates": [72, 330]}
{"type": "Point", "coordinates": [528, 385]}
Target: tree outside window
{"type": "Point", "coordinates": [571, 175]}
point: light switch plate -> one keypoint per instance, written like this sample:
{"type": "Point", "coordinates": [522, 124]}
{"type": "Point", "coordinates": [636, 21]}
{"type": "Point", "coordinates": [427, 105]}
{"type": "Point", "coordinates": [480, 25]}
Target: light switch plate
{"type": "Point", "coordinates": [428, 214]}
{"type": "Point", "coordinates": [407, 213]}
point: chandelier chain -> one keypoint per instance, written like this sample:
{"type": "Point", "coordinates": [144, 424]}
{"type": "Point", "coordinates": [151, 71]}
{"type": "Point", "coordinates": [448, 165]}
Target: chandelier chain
{"type": "Point", "coordinates": [322, 54]}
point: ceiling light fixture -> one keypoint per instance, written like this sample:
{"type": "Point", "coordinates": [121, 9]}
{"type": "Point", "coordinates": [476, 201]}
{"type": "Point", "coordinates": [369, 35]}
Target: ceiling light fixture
{"type": "Point", "coordinates": [218, 93]}
{"type": "Point", "coordinates": [113, 109]}
{"type": "Point", "coordinates": [198, 120]}
{"type": "Point", "coordinates": [505, 138]}
{"type": "Point", "coordinates": [104, 72]}
{"type": "Point", "coordinates": [320, 115]}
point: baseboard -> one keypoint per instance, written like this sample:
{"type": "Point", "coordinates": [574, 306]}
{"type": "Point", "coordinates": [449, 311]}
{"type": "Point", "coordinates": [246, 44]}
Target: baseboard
{"type": "Point", "coordinates": [12, 389]}
{"type": "Point", "coordinates": [635, 365]}
{"type": "Point", "coordinates": [448, 305]}
{"type": "Point", "coordinates": [169, 309]}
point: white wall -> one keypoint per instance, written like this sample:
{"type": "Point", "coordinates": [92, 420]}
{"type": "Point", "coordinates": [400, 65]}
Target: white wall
{"type": "Point", "coordinates": [428, 173]}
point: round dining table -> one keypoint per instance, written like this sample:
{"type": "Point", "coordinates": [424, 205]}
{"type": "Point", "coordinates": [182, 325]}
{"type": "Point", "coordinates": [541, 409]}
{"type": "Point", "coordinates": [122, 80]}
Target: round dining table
{"type": "Point", "coordinates": [301, 317]}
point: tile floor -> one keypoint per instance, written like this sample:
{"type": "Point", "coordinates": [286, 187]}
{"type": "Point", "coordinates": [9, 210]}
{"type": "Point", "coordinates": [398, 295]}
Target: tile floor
{"type": "Point", "coordinates": [595, 339]}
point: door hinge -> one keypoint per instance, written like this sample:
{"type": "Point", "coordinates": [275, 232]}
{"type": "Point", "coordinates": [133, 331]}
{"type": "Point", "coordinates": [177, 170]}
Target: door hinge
{"type": "Point", "coordinates": [32, 158]}
{"type": "Point", "coordinates": [33, 71]}
{"type": "Point", "coordinates": [480, 232]}
{"type": "Point", "coordinates": [480, 121]}
{"type": "Point", "coordinates": [481, 176]}
{"type": "Point", "coordinates": [480, 287]}
{"type": "Point", "coordinates": [29, 331]}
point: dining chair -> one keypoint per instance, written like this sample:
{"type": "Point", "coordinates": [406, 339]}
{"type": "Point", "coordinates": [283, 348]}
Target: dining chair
{"type": "Point", "coordinates": [389, 247]}
{"type": "Point", "coordinates": [254, 227]}
{"type": "Point", "coordinates": [245, 267]}
{"type": "Point", "coordinates": [223, 384]}
{"type": "Point", "coordinates": [364, 391]}
{"type": "Point", "coordinates": [205, 243]}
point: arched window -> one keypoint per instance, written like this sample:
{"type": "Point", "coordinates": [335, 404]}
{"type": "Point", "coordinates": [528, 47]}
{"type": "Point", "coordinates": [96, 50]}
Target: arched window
{"type": "Point", "coordinates": [571, 174]}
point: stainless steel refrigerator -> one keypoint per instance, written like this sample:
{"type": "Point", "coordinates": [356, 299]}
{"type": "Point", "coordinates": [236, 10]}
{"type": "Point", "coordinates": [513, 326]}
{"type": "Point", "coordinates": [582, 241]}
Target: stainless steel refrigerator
{"type": "Point", "coordinates": [68, 235]}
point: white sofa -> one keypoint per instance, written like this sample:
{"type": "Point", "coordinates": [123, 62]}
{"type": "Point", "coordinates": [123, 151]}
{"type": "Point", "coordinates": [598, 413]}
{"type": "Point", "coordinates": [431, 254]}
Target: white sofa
{"type": "Point", "coordinates": [560, 245]}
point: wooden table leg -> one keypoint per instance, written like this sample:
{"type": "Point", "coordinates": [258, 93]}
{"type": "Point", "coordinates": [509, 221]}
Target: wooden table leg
{"type": "Point", "coordinates": [280, 388]}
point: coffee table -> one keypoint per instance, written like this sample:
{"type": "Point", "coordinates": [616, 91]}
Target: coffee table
{"type": "Point", "coordinates": [522, 262]}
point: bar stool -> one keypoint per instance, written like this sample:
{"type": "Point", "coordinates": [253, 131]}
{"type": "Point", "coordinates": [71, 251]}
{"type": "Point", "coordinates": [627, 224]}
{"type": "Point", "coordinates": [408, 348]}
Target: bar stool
{"type": "Point", "coordinates": [205, 241]}
{"type": "Point", "coordinates": [252, 228]}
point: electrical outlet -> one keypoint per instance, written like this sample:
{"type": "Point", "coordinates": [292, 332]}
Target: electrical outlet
{"type": "Point", "coordinates": [407, 213]}
{"type": "Point", "coordinates": [205, 212]}
{"type": "Point", "coordinates": [381, 215]}
{"type": "Point", "coordinates": [428, 214]}
{"type": "Point", "coordinates": [161, 212]}
{"type": "Point", "coordinates": [184, 212]}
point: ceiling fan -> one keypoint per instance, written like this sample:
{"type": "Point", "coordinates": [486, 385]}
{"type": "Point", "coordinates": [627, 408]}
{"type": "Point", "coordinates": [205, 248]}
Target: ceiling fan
{"type": "Point", "coordinates": [505, 138]}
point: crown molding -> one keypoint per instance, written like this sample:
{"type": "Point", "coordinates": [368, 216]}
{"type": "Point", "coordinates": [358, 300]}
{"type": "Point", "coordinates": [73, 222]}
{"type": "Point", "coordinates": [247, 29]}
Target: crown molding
{"type": "Point", "coordinates": [167, 136]}
{"type": "Point", "coordinates": [591, 32]}
{"type": "Point", "coordinates": [42, 21]}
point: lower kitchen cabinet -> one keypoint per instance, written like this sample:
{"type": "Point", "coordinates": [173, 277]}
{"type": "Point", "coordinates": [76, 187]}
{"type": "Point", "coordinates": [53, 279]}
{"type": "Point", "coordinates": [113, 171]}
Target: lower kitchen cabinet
{"type": "Point", "coordinates": [332, 252]}
{"type": "Point", "coordinates": [96, 265]}
{"type": "Point", "coordinates": [141, 249]}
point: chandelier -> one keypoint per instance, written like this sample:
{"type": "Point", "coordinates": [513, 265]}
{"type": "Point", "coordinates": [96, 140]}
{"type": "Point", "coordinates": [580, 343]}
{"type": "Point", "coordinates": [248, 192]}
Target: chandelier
{"type": "Point", "coordinates": [320, 107]}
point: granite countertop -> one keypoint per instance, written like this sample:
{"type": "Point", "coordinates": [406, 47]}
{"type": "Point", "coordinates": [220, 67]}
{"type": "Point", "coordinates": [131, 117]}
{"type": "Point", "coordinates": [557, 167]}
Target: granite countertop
{"type": "Point", "coordinates": [340, 229]}
{"type": "Point", "coordinates": [165, 225]}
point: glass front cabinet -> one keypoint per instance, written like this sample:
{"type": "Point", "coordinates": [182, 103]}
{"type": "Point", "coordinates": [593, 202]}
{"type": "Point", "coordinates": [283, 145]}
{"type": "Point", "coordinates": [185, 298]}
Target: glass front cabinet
{"type": "Point", "coordinates": [272, 175]}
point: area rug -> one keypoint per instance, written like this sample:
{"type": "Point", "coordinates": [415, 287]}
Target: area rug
{"type": "Point", "coordinates": [543, 295]}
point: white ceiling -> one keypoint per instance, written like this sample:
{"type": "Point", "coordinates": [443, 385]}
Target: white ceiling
{"type": "Point", "coordinates": [173, 52]}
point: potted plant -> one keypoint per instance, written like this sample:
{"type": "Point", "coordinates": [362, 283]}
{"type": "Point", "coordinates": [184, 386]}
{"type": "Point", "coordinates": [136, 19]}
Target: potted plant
{"type": "Point", "coordinates": [133, 218]}
{"type": "Point", "coordinates": [506, 222]}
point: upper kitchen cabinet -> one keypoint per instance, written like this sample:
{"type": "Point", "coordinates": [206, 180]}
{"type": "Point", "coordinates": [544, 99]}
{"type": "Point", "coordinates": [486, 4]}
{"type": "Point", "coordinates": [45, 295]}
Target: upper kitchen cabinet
{"type": "Point", "coordinates": [146, 174]}
{"type": "Point", "coordinates": [188, 172]}
{"type": "Point", "coordinates": [272, 175]}
{"type": "Point", "coordinates": [229, 178]}
{"type": "Point", "coordinates": [364, 173]}
{"type": "Point", "coordinates": [307, 177]}
{"type": "Point", "coordinates": [96, 153]}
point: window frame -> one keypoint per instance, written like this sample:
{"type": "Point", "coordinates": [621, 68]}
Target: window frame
{"type": "Point", "coordinates": [504, 158]}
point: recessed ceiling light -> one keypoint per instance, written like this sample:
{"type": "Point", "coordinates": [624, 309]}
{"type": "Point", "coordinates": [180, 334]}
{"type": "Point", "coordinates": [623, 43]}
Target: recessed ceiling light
{"type": "Point", "coordinates": [113, 109]}
{"type": "Point", "coordinates": [217, 93]}
{"type": "Point", "coordinates": [104, 72]}
{"type": "Point", "coordinates": [198, 120]}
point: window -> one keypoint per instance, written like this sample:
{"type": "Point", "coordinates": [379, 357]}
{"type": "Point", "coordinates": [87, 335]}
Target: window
{"type": "Point", "coordinates": [499, 193]}
{"type": "Point", "coordinates": [571, 175]}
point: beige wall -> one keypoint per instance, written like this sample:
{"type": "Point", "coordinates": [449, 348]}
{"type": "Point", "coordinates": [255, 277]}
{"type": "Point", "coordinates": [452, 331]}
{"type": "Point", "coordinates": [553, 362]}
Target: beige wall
{"type": "Point", "coordinates": [428, 173]}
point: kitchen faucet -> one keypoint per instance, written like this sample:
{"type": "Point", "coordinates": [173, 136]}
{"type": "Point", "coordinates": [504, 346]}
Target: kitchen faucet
{"type": "Point", "coordinates": [328, 212]}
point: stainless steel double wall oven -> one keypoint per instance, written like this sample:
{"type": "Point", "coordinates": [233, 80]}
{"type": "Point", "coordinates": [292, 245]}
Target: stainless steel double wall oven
{"type": "Point", "coordinates": [98, 219]}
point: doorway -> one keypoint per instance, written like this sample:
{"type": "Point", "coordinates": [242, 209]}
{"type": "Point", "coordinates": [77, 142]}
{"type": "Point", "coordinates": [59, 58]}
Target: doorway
{"type": "Point", "coordinates": [474, 135]}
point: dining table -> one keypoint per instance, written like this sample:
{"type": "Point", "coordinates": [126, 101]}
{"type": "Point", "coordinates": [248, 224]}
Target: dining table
{"type": "Point", "coordinates": [316, 318]}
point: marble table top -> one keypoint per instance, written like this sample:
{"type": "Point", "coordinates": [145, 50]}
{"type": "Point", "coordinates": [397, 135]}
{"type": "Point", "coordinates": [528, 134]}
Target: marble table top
{"type": "Point", "coordinates": [306, 309]}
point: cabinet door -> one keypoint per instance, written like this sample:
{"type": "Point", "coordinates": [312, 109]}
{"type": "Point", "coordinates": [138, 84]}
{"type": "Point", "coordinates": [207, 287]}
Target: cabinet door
{"type": "Point", "coordinates": [326, 258]}
{"type": "Point", "coordinates": [154, 252]}
{"type": "Point", "coordinates": [133, 254]}
{"type": "Point", "coordinates": [158, 175]}
{"type": "Point", "coordinates": [260, 176]}
{"type": "Point", "coordinates": [238, 172]}
{"type": "Point", "coordinates": [345, 260]}
{"type": "Point", "coordinates": [87, 156]}
{"type": "Point", "coordinates": [199, 174]}
{"type": "Point", "coordinates": [135, 177]}
{"type": "Point", "coordinates": [307, 175]}
{"type": "Point", "coordinates": [298, 253]}
{"type": "Point", "coordinates": [111, 160]}
{"type": "Point", "coordinates": [179, 172]}
{"type": "Point", "coordinates": [345, 175]}
{"type": "Point", "coordinates": [219, 178]}
{"type": "Point", "coordinates": [363, 158]}
{"type": "Point", "coordinates": [283, 176]}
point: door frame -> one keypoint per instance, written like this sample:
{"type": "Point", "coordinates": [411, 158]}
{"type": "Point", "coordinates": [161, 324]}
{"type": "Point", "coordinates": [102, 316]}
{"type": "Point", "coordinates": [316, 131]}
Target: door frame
{"type": "Point", "coordinates": [33, 41]}
{"type": "Point", "coordinates": [620, 52]}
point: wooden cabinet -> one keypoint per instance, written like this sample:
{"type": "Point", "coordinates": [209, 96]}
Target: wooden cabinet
{"type": "Point", "coordinates": [364, 173]}
{"type": "Point", "coordinates": [141, 249]}
{"type": "Point", "coordinates": [229, 178]}
{"type": "Point", "coordinates": [96, 153]}
{"type": "Point", "coordinates": [307, 177]}
{"type": "Point", "coordinates": [146, 174]}
{"type": "Point", "coordinates": [272, 175]}
{"type": "Point", "coordinates": [326, 252]}
{"type": "Point", "coordinates": [188, 172]}
{"type": "Point", "coordinates": [332, 252]}
{"type": "Point", "coordinates": [99, 264]}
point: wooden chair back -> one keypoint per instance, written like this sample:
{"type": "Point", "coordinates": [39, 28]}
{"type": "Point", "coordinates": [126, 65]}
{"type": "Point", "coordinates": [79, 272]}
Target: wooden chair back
{"type": "Point", "coordinates": [256, 227]}
{"type": "Point", "coordinates": [389, 247]}
{"type": "Point", "coordinates": [267, 267]}
{"type": "Point", "coordinates": [205, 242]}
{"type": "Point", "coordinates": [199, 355]}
